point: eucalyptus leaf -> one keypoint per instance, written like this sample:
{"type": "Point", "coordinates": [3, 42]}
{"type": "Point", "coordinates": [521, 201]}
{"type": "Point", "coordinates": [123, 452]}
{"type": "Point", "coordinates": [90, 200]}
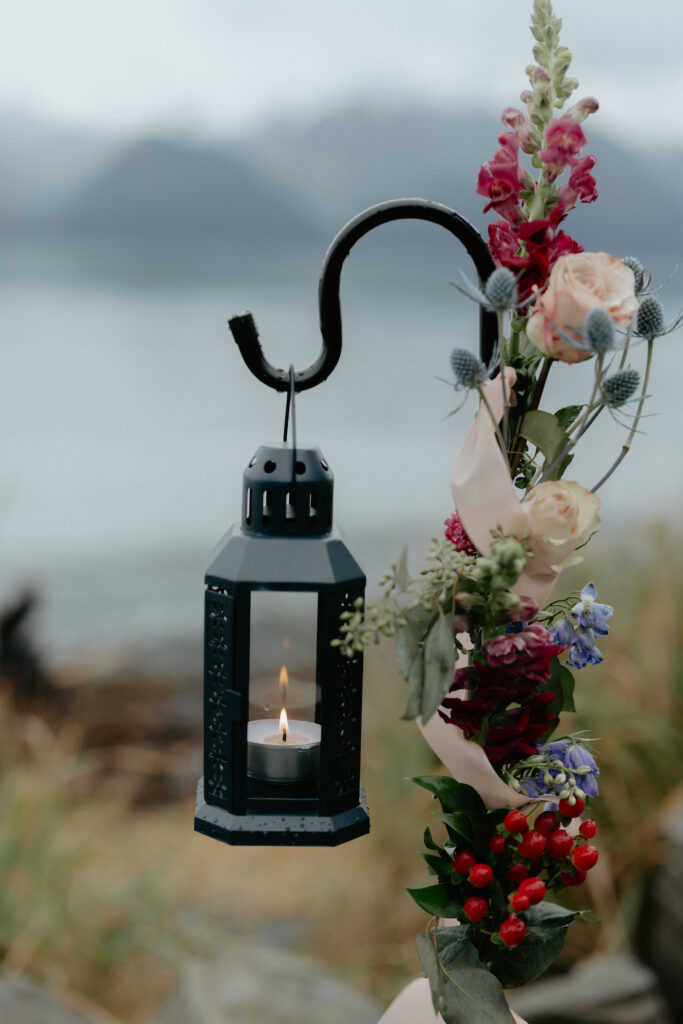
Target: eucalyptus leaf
{"type": "Point", "coordinates": [407, 648]}
{"type": "Point", "coordinates": [463, 990]}
{"type": "Point", "coordinates": [437, 901]}
{"type": "Point", "coordinates": [402, 575]}
{"type": "Point", "coordinates": [568, 415]}
{"type": "Point", "coordinates": [544, 431]}
{"type": "Point", "coordinates": [546, 931]}
{"type": "Point", "coordinates": [452, 795]}
{"type": "Point", "coordinates": [439, 664]}
{"type": "Point", "coordinates": [421, 619]}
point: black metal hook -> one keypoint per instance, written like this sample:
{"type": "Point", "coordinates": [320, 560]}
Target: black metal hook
{"type": "Point", "coordinates": [244, 329]}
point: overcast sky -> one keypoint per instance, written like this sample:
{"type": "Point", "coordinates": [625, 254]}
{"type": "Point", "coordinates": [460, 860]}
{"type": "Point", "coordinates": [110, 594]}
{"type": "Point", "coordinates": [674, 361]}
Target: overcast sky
{"type": "Point", "coordinates": [221, 65]}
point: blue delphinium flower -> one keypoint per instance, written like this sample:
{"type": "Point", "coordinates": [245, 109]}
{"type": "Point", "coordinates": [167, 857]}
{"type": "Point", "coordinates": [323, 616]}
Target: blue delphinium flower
{"type": "Point", "coordinates": [559, 769]}
{"type": "Point", "coordinates": [590, 614]}
{"type": "Point", "coordinates": [578, 636]}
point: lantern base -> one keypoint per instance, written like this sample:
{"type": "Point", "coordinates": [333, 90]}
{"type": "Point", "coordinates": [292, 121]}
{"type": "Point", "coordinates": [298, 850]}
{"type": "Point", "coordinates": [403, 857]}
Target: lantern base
{"type": "Point", "coordinates": [280, 829]}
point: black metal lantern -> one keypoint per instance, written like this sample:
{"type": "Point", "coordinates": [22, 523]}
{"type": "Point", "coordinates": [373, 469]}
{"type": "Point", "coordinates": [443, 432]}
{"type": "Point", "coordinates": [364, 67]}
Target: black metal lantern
{"type": "Point", "coordinates": [282, 706]}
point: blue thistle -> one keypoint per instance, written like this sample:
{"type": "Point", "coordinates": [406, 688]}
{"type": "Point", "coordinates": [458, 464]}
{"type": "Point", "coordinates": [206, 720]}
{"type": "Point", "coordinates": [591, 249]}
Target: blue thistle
{"type": "Point", "coordinates": [501, 289]}
{"type": "Point", "coordinates": [599, 331]}
{"type": "Point", "coordinates": [621, 386]}
{"type": "Point", "coordinates": [469, 371]}
{"type": "Point", "coordinates": [650, 317]}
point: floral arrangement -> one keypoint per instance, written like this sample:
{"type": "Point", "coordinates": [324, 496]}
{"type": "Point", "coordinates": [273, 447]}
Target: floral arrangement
{"type": "Point", "coordinates": [488, 659]}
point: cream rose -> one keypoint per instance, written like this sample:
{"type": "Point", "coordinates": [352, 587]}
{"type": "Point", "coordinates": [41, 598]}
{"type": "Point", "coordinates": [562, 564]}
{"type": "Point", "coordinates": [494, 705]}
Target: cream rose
{"type": "Point", "coordinates": [578, 283]}
{"type": "Point", "coordinates": [562, 515]}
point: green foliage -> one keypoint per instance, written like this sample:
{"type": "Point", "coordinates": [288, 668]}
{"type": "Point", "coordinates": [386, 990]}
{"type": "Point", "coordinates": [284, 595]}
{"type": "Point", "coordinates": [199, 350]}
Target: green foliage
{"type": "Point", "coordinates": [437, 901]}
{"type": "Point", "coordinates": [463, 990]}
{"type": "Point", "coordinates": [544, 431]}
{"type": "Point", "coordinates": [546, 931]}
{"type": "Point", "coordinates": [439, 665]}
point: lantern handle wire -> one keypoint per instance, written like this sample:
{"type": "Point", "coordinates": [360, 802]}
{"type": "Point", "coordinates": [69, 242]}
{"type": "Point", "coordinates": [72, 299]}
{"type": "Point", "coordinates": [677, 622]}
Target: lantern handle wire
{"type": "Point", "coordinates": [244, 330]}
{"type": "Point", "coordinates": [290, 415]}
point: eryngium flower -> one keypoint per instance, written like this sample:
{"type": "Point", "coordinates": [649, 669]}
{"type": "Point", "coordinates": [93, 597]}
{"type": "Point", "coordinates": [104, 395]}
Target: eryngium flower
{"type": "Point", "coordinates": [501, 289]}
{"type": "Point", "coordinates": [599, 331]}
{"type": "Point", "coordinates": [621, 386]}
{"type": "Point", "coordinates": [650, 317]}
{"type": "Point", "coordinates": [638, 270]}
{"type": "Point", "coordinates": [469, 371]}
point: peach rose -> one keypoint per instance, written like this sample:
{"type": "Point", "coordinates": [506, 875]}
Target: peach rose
{"type": "Point", "coordinates": [562, 515]}
{"type": "Point", "coordinates": [579, 282]}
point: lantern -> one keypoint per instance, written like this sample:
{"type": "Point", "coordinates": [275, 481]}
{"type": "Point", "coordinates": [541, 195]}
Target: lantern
{"type": "Point", "coordinates": [282, 705]}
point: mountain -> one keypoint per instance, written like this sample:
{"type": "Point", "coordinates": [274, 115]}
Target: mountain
{"type": "Point", "coordinates": [168, 187]}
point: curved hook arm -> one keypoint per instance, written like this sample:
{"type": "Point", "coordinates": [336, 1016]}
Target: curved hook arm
{"type": "Point", "coordinates": [244, 329]}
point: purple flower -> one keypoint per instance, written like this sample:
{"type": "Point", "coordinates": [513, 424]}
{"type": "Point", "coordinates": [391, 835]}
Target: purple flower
{"type": "Point", "coordinates": [577, 763]}
{"type": "Point", "coordinates": [589, 622]}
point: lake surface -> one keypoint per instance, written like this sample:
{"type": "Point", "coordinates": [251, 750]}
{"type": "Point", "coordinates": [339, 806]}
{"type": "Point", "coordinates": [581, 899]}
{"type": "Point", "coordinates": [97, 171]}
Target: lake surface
{"type": "Point", "coordinates": [127, 416]}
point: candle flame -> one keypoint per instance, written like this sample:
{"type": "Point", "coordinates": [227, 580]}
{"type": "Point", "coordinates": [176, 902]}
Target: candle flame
{"type": "Point", "coordinates": [283, 725]}
{"type": "Point", "coordinates": [284, 677]}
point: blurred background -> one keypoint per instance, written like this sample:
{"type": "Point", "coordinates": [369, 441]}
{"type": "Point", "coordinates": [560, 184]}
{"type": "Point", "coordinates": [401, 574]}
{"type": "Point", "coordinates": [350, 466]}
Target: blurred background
{"type": "Point", "coordinates": [167, 165]}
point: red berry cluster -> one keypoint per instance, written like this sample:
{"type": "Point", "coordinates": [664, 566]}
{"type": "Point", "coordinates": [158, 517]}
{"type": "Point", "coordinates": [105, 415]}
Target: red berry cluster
{"type": "Point", "coordinates": [533, 860]}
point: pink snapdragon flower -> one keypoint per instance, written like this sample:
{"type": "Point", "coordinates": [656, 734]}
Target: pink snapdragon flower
{"type": "Point", "coordinates": [530, 651]}
{"type": "Point", "coordinates": [580, 111]}
{"type": "Point", "coordinates": [456, 533]}
{"type": "Point", "coordinates": [520, 124]}
{"type": "Point", "coordinates": [500, 179]}
{"type": "Point", "coordinates": [581, 186]}
{"type": "Point", "coordinates": [564, 141]}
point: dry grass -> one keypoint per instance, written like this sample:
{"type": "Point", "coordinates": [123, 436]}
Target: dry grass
{"type": "Point", "coordinates": [100, 900]}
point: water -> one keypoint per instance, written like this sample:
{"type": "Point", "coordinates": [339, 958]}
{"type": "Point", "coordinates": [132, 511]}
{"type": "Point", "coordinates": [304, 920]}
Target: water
{"type": "Point", "coordinates": [127, 417]}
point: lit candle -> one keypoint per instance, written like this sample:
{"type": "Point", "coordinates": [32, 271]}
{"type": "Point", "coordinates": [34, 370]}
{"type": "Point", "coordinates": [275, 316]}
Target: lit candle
{"type": "Point", "coordinates": [283, 751]}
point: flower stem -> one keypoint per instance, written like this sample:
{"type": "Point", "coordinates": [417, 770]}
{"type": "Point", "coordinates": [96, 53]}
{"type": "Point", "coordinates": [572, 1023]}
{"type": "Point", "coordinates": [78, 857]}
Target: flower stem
{"type": "Point", "coordinates": [506, 404]}
{"type": "Point", "coordinates": [494, 421]}
{"type": "Point", "coordinates": [625, 349]}
{"type": "Point", "coordinates": [627, 447]}
{"type": "Point", "coordinates": [517, 450]}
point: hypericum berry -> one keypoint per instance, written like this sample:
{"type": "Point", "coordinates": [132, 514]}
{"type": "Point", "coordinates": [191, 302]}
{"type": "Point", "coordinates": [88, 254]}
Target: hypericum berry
{"type": "Point", "coordinates": [584, 857]}
{"type": "Point", "coordinates": [621, 386]}
{"type": "Point", "coordinates": [533, 889]}
{"type": "Point", "coordinates": [520, 902]}
{"type": "Point", "coordinates": [469, 371]}
{"type": "Point", "coordinates": [497, 844]}
{"type": "Point", "coordinates": [475, 908]}
{"type": "Point", "coordinates": [517, 873]}
{"type": "Point", "coordinates": [515, 821]}
{"type": "Point", "coordinates": [650, 317]}
{"type": "Point", "coordinates": [545, 823]}
{"type": "Point", "coordinates": [532, 844]}
{"type": "Point", "coordinates": [463, 860]}
{"type": "Point", "coordinates": [512, 931]}
{"type": "Point", "coordinates": [588, 828]}
{"type": "Point", "coordinates": [480, 876]}
{"type": "Point", "coordinates": [568, 810]}
{"type": "Point", "coordinates": [501, 289]}
{"type": "Point", "coordinates": [577, 878]}
{"type": "Point", "coordinates": [559, 843]}
{"type": "Point", "coordinates": [599, 330]}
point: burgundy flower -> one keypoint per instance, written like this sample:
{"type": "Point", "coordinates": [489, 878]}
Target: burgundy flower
{"type": "Point", "coordinates": [456, 533]}
{"type": "Point", "coordinates": [500, 179]}
{"type": "Point", "coordinates": [564, 140]}
{"type": "Point", "coordinates": [515, 737]}
{"type": "Point", "coordinates": [581, 187]}
{"type": "Point", "coordinates": [543, 244]}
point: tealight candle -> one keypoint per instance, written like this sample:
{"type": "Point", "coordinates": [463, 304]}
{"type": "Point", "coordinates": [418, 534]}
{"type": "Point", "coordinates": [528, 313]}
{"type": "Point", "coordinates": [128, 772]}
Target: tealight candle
{"type": "Point", "coordinates": [283, 751]}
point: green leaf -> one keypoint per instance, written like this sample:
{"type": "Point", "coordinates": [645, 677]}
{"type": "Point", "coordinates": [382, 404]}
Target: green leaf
{"type": "Point", "coordinates": [561, 683]}
{"type": "Point", "coordinates": [567, 689]}
{"type": "Point", "coordinates": [437, 901]}
{"type": "Point", "coordinates": [543, 430]}
{"type": "Point", "coordinates": [410, 659]}
{"type": "Point", "coordinates": [437, 865]}
{"type": "Point", "coordinates": [546, 931]}
{"type": "Point", "coordinates": [459, 825]}
{"type": "Point", "coordinates": [452, 795]}
{"type": "Point", "coordinates": [588, 916]}
{"type": "Point", "coordinates": [402, 575]}
{"type": "Point", "coordinates": [568, 415]}
{"type": "Point", "coordinates": [429, 841]}
{"type": "Point", "coordinates": [421, 619]}
{"type": "Point", "coordinates": [439, 665]}
{"type": "Point", "coordinates": [463, 990]}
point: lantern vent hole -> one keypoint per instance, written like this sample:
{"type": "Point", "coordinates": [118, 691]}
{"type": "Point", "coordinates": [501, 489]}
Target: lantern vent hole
{"type": "Point", "coordinates": [300, 468]}
{"type": "Point", "coordinates": [248, 516]}
{"type": "Point", "coordinates": [270, 466]}
{"type": "Point", "coordinates": [266, 509]}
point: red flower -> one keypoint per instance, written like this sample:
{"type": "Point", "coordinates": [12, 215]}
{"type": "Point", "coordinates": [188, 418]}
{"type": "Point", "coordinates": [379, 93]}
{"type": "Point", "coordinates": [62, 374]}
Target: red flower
{"type": "Point", "coordinates": [581, 187]}
{"type": "Point", "coordinates": [543, 243]}
{"type": "Point", "coordinates": [456, 533]}
{"type": "Point", "coordinates": [503, 744]}
{"type": "Point", "coordinates": [500, 179]}
{"type": "Point", "coordinates": [564, 140]}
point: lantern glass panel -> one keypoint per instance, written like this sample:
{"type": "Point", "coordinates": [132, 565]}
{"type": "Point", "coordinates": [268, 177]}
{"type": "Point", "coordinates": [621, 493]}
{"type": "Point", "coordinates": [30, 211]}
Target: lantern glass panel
{"type": "Point", "coordinates": [283, 734]}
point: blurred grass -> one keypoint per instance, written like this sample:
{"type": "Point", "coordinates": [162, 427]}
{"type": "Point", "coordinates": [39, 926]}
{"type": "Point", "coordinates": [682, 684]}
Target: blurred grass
{"type": "Point", "coordinates": [102, 900]}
